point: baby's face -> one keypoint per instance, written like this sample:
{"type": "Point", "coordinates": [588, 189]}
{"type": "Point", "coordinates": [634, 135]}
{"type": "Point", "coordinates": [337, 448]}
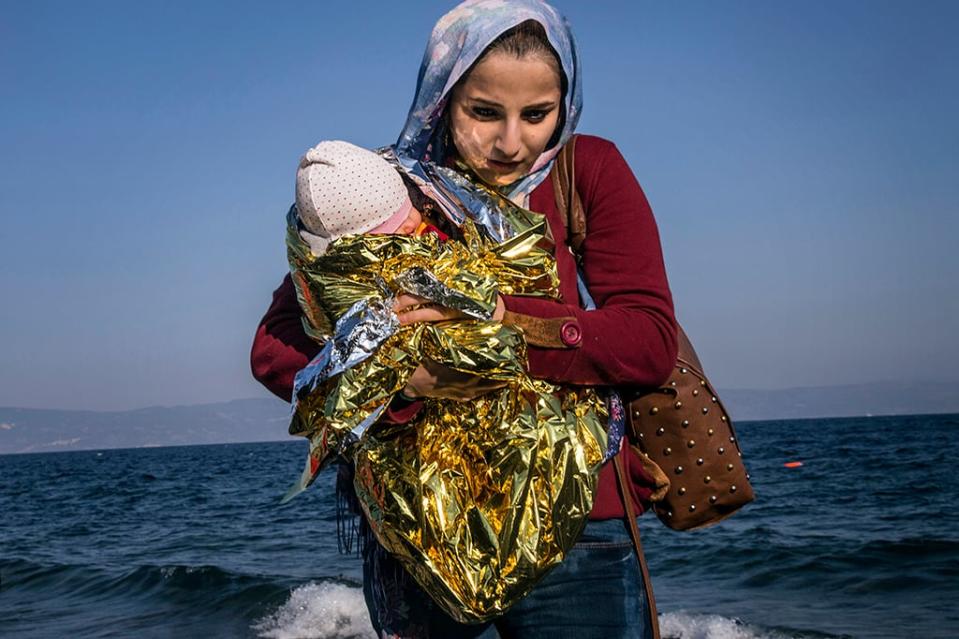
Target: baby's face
{"type": "Point", "coordinates": [412, 222]}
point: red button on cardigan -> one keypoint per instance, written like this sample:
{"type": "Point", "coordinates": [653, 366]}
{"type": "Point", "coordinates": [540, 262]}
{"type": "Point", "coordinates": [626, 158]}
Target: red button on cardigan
{"type": "Point", "coordinates": [570, 333]}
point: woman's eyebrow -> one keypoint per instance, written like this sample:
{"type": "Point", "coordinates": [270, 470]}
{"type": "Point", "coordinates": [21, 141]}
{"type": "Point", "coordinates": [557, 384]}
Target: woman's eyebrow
{"type": "Point", "coordinates": [487, 102]}
{"type": "Point", "coordinates": [539, 105]}
{"type": "Point", "coordinates": [549, 104]}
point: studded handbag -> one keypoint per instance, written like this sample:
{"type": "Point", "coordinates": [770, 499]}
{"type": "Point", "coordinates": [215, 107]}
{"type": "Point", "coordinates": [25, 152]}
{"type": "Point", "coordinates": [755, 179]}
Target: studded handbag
{"type": "Point", "coordinates": [682, 426]}
{"type": "Point", "coordinates": [684, 429]}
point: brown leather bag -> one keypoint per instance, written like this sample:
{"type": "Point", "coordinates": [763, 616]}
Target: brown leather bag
{"type": "Point", "coordinates": [682, 427]}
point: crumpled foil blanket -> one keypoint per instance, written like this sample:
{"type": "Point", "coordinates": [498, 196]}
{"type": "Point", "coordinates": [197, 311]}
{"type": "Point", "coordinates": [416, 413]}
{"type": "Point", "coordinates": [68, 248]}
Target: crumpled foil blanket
{"type": "Point", "coordinates": [478, 499]}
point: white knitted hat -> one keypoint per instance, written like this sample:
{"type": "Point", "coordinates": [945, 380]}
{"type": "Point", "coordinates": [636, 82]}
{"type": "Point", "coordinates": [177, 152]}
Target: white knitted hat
{"type": "Point", "coordinates": [342, 189]}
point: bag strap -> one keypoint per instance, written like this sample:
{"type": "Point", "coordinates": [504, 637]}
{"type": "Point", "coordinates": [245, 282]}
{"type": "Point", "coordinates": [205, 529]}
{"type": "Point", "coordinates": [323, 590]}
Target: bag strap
{"type": "Point", "coordinates": [568, 202]}
{"type": "Point", "coordinates": [571, 212]}
{"type": "Point", "coordinates": [573, 215]}
{"type": "Point", "coordinates": [637, 543]}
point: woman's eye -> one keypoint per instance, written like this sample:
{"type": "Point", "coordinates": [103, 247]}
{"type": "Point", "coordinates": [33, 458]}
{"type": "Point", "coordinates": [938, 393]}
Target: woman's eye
{"type": "Point", "coordinates": [484, 112]}
{"type": "Point", "coordinates": [535, 116]}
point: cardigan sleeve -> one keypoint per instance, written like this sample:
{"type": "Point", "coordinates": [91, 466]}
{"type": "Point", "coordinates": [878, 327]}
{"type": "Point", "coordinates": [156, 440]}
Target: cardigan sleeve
{"type": "Point", "coordinates": [281, 348]}
{"type": "Point", "coordinates": [631, 337]}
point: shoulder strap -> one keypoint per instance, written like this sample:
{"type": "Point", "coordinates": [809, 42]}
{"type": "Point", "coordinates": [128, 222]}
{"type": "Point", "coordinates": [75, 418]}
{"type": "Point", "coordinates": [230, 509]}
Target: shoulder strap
{"type": "Point", "coordinates": [568, 202]}
{"type": "Point", "coordinates": [637, 544]}
{"type": "Point", "coordinates": [571, 211]}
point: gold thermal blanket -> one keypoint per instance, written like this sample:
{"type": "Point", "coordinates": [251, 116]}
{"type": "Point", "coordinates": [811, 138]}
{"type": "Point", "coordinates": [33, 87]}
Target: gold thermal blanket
{"type": "Point", "coordinates": [477, 499]}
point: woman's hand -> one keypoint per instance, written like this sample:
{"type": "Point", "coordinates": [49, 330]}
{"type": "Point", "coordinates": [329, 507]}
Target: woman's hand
{"type": "Point", "coordinates": [413, 308]}
{"type": "Point", "coordinates": [431, 379]}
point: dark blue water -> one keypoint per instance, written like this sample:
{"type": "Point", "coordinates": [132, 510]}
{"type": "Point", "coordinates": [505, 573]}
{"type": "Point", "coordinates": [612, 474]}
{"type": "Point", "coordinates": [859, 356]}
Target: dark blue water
{"type": "Point", "coordinates": [861, 541]}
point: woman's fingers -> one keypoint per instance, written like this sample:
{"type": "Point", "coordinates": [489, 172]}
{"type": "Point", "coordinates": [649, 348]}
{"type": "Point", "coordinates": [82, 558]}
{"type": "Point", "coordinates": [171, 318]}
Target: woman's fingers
{"type": "Point", "coordinates": [432, 379]}
{"type": "Point", "coordinates": [413, 308]}
{"type": "Point", "coordinates": [431, 313]}
{"type": "Point", "coordinates": [480, 388]}
{"type": "Point", "coordinates": [406, 301]}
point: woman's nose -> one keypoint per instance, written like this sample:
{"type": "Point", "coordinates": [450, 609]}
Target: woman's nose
{"type": "Point", "coordinates": [509, 140]}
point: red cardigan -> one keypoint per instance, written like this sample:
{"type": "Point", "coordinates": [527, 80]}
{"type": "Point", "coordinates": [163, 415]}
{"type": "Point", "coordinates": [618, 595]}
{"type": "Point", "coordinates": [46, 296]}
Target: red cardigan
{"type": "Point", "coordinates": [629, 340]}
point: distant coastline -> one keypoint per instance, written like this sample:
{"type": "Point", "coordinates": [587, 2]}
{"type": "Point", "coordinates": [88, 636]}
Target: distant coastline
{"type": "Point", "coordinates": [34, 430]}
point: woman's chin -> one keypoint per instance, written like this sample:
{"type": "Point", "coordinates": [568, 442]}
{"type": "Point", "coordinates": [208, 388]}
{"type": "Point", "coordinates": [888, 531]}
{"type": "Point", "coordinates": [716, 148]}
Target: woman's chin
{"type": "Point", "coordinates": [498, 178]}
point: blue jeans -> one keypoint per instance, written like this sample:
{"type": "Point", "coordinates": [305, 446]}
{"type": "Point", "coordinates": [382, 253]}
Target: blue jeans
{"type": "Point", "coordinates": [596, 592]}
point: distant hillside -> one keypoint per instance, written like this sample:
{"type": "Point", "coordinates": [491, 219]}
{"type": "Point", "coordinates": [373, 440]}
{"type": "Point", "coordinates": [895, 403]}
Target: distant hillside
{"type": "Point", "coordinates": [881, 398]}
{"type": "Point", "coordinates": [26, 430]}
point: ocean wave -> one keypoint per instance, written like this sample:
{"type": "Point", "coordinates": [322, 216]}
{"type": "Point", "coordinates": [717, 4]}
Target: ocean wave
{"type": "Point", "coordinates": [912, 547]}
{"type": "Point", "coordinates": [324, 610]}
{"type": "Point", "coordinates": [21, 572]}
{"type": "Point", "coordinates": [200, 585]}
{"type": "Point", "coordinates": [329, 610]}
{"type": "Point", "coordinates": [685, 625]}
{"type": "Point", "coordinates": [818, 559]}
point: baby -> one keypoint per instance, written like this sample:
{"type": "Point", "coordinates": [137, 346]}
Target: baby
{"type": "Point", "coordinates": [476, 499]}
{"type": "Point", "coordinates": [342, 189]}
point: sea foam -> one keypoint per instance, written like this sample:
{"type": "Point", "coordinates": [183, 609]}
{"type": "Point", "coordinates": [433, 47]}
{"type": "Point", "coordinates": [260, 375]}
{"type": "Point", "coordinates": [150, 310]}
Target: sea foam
{"type": "Point", "coordinates": [319, 611]}
{"type": "Point", "coordinates": [685, 625]}
{"type": "Point", "coordinates": [337, 611]}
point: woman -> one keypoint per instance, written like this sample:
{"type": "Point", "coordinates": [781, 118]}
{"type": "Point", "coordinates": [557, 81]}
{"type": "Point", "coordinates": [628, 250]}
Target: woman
{"type": "Point", "coordinates": [498, 95]}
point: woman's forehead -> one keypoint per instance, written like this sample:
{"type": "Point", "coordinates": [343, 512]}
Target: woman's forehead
{"type": "Point", "coordinates": [502, 78]}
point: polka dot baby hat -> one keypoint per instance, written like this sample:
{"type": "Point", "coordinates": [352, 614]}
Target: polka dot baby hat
{"type": "Point", "coordinates": [342, 189]}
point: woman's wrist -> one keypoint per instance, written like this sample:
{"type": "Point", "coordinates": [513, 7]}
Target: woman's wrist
{"type": "Point", "coordinates": [408, 394]}
{"type": "Point", "coordinates": [402, 401]}
{"type": "Point", "coordinates": [500, 311]}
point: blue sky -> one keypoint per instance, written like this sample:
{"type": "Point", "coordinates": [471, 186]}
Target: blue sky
{"type": "Point", "coordinates": [802, 160]}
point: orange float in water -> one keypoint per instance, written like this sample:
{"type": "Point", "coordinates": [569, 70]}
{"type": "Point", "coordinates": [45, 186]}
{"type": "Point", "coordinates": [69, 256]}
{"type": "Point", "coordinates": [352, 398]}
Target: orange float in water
{"type": "Point", "coordinates": [794, 464]}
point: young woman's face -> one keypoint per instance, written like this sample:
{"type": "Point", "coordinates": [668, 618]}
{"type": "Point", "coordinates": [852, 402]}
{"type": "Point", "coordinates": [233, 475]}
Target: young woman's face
{"type": "Point", "coordinates": [503, 115]}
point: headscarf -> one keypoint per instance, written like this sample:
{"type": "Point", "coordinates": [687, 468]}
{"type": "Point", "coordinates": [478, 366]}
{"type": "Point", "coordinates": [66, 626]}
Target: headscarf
{"type": "Point", "coordinates": [458, 40]}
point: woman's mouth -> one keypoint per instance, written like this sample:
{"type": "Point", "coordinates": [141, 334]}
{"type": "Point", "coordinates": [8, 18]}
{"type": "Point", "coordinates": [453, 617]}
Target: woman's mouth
{"type": "Point", "coordinates": [503, 167]}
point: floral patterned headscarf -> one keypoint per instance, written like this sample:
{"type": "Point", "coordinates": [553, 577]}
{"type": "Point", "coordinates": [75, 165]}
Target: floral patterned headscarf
{"type": "Point", "coordinates": [458, 40]}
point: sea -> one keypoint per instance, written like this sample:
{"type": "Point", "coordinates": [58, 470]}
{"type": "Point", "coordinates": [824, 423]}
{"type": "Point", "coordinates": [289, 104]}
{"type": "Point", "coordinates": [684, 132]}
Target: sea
{"type": "Point", "coordinates": [860, 540]}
